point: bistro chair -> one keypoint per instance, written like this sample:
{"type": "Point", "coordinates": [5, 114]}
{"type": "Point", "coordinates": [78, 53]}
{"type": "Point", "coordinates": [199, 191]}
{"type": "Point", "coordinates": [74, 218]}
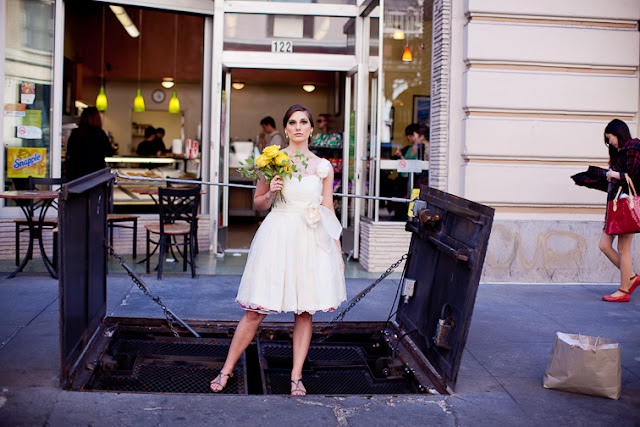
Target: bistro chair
{"type": "Point", "coordinates": [48, 223]}
{"type": "Point", "coordinates": [115, 220]}
{"type": "Point", "coordinates": [196, 248]}
{"type": "Point", "coordinates": [178, 211]}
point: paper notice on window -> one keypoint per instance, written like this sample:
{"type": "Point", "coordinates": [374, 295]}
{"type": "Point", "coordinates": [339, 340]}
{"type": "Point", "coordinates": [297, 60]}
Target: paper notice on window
{"type": "Point", "coordinates": [32, 118]}
{"type": "Point", "coordinates": [27, 92]}
{"type": "Point", "coordinates": [15, 110]}
{"type": "Point", "coordinates": [409, 166]}
{"type": "Point", "coordinates": [29, 132]}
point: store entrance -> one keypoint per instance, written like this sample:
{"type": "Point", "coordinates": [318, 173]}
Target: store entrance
{"type": "Point", "coordinates": [254, 97]}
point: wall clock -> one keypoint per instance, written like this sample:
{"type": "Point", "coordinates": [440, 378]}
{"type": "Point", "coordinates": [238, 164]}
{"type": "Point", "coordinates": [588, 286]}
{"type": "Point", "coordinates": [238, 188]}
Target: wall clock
{"type": "Point", "coordinates": [158, 96]}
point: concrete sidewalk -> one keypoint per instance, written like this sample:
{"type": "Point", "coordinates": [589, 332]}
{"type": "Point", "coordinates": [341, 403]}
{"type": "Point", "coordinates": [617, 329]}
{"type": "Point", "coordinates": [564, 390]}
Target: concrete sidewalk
{"type": "Point", "coordinates": [500, 380]}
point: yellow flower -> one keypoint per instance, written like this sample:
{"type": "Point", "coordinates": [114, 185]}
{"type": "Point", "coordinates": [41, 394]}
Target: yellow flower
{"type": "Point", "coordinates": [263, 161]}
{"type": "Point", "coordinates": [271, 151]}
{"type": "Point", "coordinates": [282, 158]}
{"type": "Point", "coordinates": [287, 168]}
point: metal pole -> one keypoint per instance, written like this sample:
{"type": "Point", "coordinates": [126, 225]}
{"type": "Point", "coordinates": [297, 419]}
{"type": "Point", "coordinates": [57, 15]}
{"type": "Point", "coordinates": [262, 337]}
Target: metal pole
{"type": "Point", "coordinates": [223, 184]}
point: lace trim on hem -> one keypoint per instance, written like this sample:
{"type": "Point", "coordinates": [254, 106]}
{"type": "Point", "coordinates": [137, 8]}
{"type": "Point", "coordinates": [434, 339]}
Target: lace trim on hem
{"type": "Point", "coordinates": [259, 309]}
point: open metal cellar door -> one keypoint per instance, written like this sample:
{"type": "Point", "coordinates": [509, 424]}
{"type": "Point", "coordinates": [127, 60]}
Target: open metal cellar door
{"type": "Point", "coordinates": [417, 353]}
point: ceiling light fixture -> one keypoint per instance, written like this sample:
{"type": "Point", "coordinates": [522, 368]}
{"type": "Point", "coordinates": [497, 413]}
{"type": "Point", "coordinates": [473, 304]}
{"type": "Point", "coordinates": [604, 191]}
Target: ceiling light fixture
{"type": "Point", "coordinates": [174, 103]}
{"type": "Point", "coordinates": [101, 100]}
{"type": "Point", "coordinates": [237, 85]}
{"type": "Point", "coordinates": [309, 87]}
{"type": "Point", "coordinates": [138, 102]}
{"type": "Point", "coordinates": [124, 19]}
{"type": "Point", "coordinates": [167, 82]}
{"type": "Point", "coordinates": [398, 34]}
{"type": "Point", "coordinates": [406, 55]}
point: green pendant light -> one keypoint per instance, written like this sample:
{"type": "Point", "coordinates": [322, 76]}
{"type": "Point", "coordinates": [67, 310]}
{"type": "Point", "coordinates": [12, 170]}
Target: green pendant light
{"type": "Point", "coordinates": [138, 102]}
{"type": "Point", "coordinates": [174, 103]}
{"type": "Point", "coordinates": [101, 100]}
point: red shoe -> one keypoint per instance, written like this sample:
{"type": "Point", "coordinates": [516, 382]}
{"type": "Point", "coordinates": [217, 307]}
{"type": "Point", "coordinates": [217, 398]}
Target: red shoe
{"type": "Point", "coordinates": [635, 281]}
{"type": "Point", "coordinates": [623, 298]}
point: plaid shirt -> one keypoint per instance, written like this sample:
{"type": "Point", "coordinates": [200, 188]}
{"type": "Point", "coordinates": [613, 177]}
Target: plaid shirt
{"type": "Point", "coordinates": [628, 162]}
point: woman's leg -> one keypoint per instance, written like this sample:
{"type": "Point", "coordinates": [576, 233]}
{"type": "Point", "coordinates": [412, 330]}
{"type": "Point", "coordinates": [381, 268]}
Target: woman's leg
{"type": "Point", "coordinates": [302, 332]}
{"type": "Point", "coordinates": [624, 249]}
{"type": "Point", "coordinates": [243, 336]}
{"type": "Point", "coordinates": [606, 246]}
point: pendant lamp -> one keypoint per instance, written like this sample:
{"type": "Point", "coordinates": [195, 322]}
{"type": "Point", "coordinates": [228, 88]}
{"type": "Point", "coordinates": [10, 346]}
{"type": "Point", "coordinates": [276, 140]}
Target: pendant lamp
{"type": "Point", "coordinates": [174, 103]}
{"type": "Point", "coordinates": [406, 56]}
{"type": "Point", "coordinates": [101, 100]}
{"type": "Point", "coordinates": [138, 102]}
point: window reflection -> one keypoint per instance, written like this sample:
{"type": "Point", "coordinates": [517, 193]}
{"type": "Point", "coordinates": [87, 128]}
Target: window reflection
{"type": "Point", "coordinates": [306, 34]}
{"type": "Point", "coordinates": [406, 101]}
{"type": "Point", "coordinates": [28, 69]}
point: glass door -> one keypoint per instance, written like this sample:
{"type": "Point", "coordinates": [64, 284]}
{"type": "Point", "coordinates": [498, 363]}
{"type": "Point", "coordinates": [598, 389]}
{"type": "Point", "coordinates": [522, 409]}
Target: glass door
{"type": "Point", "coordinates": [225, 113]}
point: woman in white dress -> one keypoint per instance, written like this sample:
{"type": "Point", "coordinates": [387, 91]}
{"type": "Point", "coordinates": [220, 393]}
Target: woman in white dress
{"type": "Point", "coordinates": [295, 261]}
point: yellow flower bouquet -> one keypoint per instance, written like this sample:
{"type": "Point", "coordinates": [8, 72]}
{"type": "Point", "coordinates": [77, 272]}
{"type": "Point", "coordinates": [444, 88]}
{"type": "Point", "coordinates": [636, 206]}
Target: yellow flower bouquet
{"type": "Point", "coordinates": [271, 163]}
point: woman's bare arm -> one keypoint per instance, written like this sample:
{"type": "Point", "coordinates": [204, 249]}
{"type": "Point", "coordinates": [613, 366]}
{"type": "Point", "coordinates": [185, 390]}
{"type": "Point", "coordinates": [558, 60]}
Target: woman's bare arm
{"type": "Point", "coordinates": [263, 197]}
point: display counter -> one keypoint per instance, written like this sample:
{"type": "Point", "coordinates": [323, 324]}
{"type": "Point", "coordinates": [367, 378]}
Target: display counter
{"type": "Point", "coordinates": [126, 193]}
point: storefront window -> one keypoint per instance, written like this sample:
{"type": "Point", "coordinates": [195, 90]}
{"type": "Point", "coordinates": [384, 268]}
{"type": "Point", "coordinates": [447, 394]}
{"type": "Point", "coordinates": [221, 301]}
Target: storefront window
{"type": "Point", "coordinates": [287, 33]}
{"type": "Point", "coordinates": [28, 73]}
{"type": "Point", "coordinates": [406, 101]}
{"type": "Point", "coordinates": [317, 1]}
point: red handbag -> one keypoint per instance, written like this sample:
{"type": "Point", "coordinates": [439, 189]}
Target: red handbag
{"type": "Point", "coordinates": [623, 215]}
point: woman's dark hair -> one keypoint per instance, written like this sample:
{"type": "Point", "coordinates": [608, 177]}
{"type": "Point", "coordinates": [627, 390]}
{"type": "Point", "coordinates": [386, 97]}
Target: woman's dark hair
{"type": "Point", "coordinates": [90, 117]}
{"type": "Point", "coordinates": [620, 130]}
{"type": "Point", "coordinates": [293, 109]}
{"type": "Point", "coordinates": [150, 130]}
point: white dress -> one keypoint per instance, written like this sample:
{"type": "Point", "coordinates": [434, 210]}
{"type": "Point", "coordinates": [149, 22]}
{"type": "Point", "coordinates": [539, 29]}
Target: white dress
{"type": "Point", "coordinates": [294, 263]}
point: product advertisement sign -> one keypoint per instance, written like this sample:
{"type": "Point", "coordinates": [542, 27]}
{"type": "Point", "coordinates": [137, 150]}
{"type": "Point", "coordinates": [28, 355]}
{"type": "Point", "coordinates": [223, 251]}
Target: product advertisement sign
{"type": "Point", "coordinates": [23, 162]}
{"type": "Point", "coordinates": [27, 92]}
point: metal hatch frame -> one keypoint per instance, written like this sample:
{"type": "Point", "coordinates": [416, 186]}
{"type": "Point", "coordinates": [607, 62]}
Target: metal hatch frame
{"type": "Point", "coordinates": [448, 246]}
{"type": "Point", "coordinates": [82, 285]}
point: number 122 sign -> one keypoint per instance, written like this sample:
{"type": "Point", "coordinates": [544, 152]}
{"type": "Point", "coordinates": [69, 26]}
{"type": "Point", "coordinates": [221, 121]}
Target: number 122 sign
{"type": "Point", "coordinates": [282, 46]}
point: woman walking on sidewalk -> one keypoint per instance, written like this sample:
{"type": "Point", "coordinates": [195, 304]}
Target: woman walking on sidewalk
{"type": "Point", "coordinates": [295, 261]}
{"type": "Point", "coordinates": [624, 161]}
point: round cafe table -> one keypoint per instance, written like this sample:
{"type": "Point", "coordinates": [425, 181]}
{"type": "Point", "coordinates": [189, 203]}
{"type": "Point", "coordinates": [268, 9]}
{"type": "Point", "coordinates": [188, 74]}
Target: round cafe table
{"type": "Point", "coordinates": [38, 202]}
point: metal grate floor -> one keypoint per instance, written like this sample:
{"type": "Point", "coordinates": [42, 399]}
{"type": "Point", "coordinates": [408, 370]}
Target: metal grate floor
{"type": "Point", "coordinates": [336, 381]}
{"type": "Point", "coordinates": [162, 364]}
{"type": "Point", "coordinates": [316, 352]}
{"type": "Point", "coordinates": [175, 347]}
{"type": "Point", "coordinates": [159, 377]}
{"type": "Point", "coordinates": [335, 369]}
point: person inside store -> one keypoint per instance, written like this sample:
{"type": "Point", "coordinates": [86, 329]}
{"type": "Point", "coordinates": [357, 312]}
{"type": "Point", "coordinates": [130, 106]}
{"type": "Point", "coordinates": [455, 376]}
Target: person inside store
{"type": "Point", "coordinates": [305, 272]}
{"type": "Point", "coordinates": [418, 138]}
{"type": "Point", "coordinates": [423, 140]}
{"type": "Point", "coordinates": [397, 184]}
{"type": "Point", "coordinates": [160, 139]}
{"type": "Point", "coordinates": [323, 137]}
{"type": "Point", "coordinates": [150, 145]}
{"type": "Point", "coordinates": [269, 135]}
{"type": "Point", "coordinates": [422, 135]}
{"type": "Point", "coordinates": [87, 146]}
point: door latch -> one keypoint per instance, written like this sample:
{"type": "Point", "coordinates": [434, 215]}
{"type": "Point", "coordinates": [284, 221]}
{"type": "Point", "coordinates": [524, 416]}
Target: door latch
{"type": "Point", "coordinates": [445, 325]}
{"type": "Point", "coordinates": [409, 287]}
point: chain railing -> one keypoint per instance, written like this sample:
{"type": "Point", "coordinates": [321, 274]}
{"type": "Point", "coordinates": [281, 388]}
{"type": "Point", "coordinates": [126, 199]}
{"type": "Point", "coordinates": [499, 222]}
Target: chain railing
{"type": "Point", "coordinates": [339, 318]}
{"type": "Point", "coordinates": [171, 317]}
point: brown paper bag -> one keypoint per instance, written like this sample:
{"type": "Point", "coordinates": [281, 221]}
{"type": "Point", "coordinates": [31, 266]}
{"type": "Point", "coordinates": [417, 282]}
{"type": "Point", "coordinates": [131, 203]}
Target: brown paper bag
{"type": "Point", "coordinates": [583, 364]}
